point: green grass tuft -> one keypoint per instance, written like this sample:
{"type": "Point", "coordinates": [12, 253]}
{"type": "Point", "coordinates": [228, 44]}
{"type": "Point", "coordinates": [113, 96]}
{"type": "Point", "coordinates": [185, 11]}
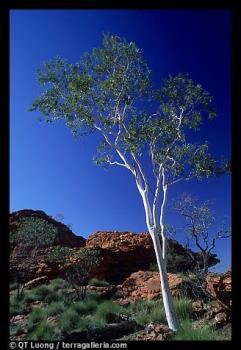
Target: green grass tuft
{"type": "Point", "coordinates": [85, 307]}
{"type": "Point", "coordinates": [186, 332]}
{"type": "Point", "coordinates": [55, 308]}
{"type": "Point", "coordinates": [17, 307]}
{"type": "Point", "coordinates": [68, 320]}
{"type": "Point", "coordinates": [183, 308]}
{"type": "Point", "coordinates": [98, 283]}
{"type": "Point", "coordinates": [44, 332]}
{"type": "Point", "coordinates": [146, 311]}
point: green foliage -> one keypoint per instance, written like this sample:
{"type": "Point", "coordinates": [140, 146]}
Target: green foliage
{"type": "Point", "coordinates": [37, 315]}
{"type": "Point", "coordinates": [110, 91]}
{"type": "Point", "coordinates": [98, 283]}
{"type": "Point", "coordinates": [153, 267]}
{"type": "Point", "coordinates": [146, 311]}
{"type": "Point", "coordinates": [17, 307]}
{"type": "Point", "coordinates": [42, 291]}
{"type": "Point", "coordinates": [44, 332]}
{"type": "Point", "coordinates": [54, 308]}
{"type": "Point", "coordinates": [186, 332]}
{"type": "Point", "coordinates": [68, 320]}
{"type": "Point", "coordinates": [57, 284]}
{"type": "Point", "coordinates": [58, 255]}
{"type": "Point", "coordinates": [183, 308]}
{"type": "Point", "coordinates": [84, 307]}
{"type": "Point", "coordinates": [78, 273]}
{"type": "Point", "coordinates": [34, 231]}
{"type": "Point", "coordinates": [107, 307]}
{"type": "Point", "coordinates": [13, 286]}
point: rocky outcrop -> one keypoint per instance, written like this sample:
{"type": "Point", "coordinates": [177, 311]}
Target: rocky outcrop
{"type": "Point", "coordinates": [126, 252]}
{"type": "Point", "coordinates": [152, 332]}
{"type": "Point", "coordinates": [64, 237]}
{"type": "Point", "coordinates": [122, 252]}
{"type": "Point", "coordinates": [220, 287]}
{"type": "Point", "coordinates": [147, 285]}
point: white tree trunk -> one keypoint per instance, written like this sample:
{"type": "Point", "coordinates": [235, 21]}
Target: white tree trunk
{"type": "Point", "coordinates": [172, 320]}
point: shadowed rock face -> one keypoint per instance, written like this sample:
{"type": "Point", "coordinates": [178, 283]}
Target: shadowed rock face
{"type": "Point", "coordinates": [123, 253]}
{"type": "Point", "coordinates": [127, 252]}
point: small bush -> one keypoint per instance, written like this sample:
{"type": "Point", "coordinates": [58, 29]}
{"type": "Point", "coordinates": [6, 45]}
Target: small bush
{"type": "Point", "coordinates": [13, 286]}
{"type": "Point", "coordinates": [55, 308]}
{"type": "Point", "coordinates": [42, 291]}
{"type": "Point", "coordinates": [19, 329]}
{"type": "Point", "coordinates": [183, 308]}
{"type": "Point", "coordinates": [146, 311]}
{"type": "Point", "coordinates": [30, 297]}
{"type": "Point", "coordinates": [107, 307]}
{"type": "Point", "coordinates": [57, 284]}
{"type": "Point", "coordinates": [38, 314]}
{"type": "Point", "coordinates": [186, 332]}
{"type": "Point", "coordinates": [53, 297]}
{"type": "Point", "coordinates": [84, 307]}
{"type": "Point", "coordinates": [94, 296]}
{"type": "Point", "coordinates": [68, 321]}
{"type": "Point", "coordinates": [44, 332]}
{"type": "Point", "coordinates": [153, 267]}
{"type": "Point", "coordinates": [98, 283]}
{"type": "Point", "coordinates": [17, 307]}
{"type": "Point", "coordinates": [90, 322]}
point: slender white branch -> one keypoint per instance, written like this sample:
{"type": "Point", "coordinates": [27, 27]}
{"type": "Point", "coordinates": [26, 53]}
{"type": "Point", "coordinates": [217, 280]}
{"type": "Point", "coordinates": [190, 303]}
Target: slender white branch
{"type": "Point", "coordinates": [164, 189]}
{"type": "Point", "coordinates": [156, 197]}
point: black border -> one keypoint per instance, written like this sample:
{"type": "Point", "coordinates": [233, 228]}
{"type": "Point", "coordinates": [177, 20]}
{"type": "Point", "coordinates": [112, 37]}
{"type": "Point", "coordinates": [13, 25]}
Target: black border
{"type": "Point", "coordinates": [6, 7]}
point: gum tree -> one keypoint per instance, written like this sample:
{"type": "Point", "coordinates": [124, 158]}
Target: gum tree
{"type": "Point", "coordinates": [200, 227]}
{"type": "Point", "coordinates": [109, 91]}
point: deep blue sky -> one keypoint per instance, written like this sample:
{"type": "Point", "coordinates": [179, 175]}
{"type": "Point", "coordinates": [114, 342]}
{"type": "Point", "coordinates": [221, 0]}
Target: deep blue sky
{"type": "Point", "coordinates": [51, 171]}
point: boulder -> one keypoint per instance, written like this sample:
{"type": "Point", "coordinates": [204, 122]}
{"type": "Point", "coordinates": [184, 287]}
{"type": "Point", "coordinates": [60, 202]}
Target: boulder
{"type": "Point", "coordinates": [125, 252]}
{"type": "Point", "coordinates": [36, 282]}
{"type": "Point", "coordinates": [152, 332]}
{"type": "Point", "coordinates": [147, 285]}
{"type": "Point", "coordinates": [220, 287]}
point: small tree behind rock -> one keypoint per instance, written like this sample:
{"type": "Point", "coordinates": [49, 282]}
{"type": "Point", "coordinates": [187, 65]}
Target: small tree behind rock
{"type": "Point", "coordinates": [77, 273]}
{"type": "Point", "coordinates": [31, 234]}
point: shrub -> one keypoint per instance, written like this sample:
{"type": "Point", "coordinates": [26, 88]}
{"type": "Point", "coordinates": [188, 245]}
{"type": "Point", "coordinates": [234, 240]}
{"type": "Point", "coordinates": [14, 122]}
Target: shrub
{"type": "Point", "coordinates": [13, 286]}
{"type": "Point", "coordinates": [58, 255]}
{"type": "Point", "coordinates": [68, 321]}
{"type": "Point", "coordinates": [84, 307]}
{"type": "Point", "coordinates": [57, 284]}
{"type": "Point", "coordinates": [183, 308]}
{"type": "Point", "coordinates": [186, 332]}
{"type": "Point", "coordinates": [146, 311]}
{"type": "Point", "coordinates": [30, 297]}
{"type": "Point", "coordinates": [54, 308]}
{"type": "Point", "coordinates": [17, 307]}
{"type": "Point", "coordinates": [44, 332]}
{"type": "Point", "coordinates": [153, 267]}
{"type": "Point", "coordinates": [38, 314]}
{"type": "Point", "coordinates": [98, 283]}
{"type": "Point", "coordinates": [107, 307]}
{"type": "Point", "coordinates": [42, 291]}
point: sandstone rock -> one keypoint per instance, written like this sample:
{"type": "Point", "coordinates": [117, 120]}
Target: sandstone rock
{"type": "Point", "coordinates": [18, 318]}
{"type": "Point", "coordinates": [198, 305]}
{"type": "Point", "coordinates": [36, 282]}
{"type": "Point", "coordinates": [122, 252]}
{"type": "Point", "coordinates": [146, 285]}
{"type": "Point", "coordinates": [18, 260]}
{"type": "Point", "coordinates": [37, 304]}
{"type": "Point", "coordinates": [105, 292]}
{"type": "Point", "coordinates": [152, 332]}
{"type": "Point", "coordinates": [219, 320]}
{"type": "Point", "coordinates": [220, 287]}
